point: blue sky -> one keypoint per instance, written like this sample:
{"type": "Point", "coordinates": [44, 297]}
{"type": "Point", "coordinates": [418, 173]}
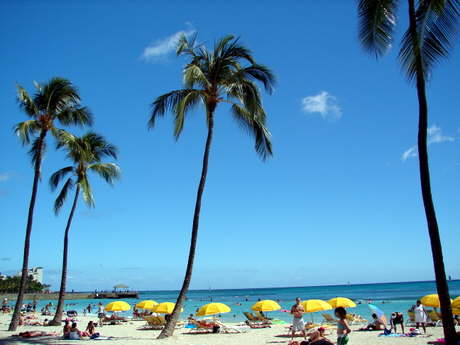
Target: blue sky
{"type": "Point", "coordinates": [339, 201]}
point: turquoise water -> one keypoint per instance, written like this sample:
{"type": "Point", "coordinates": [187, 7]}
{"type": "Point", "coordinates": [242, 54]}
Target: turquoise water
{"type": "Point", "coordinates": [387, 296]}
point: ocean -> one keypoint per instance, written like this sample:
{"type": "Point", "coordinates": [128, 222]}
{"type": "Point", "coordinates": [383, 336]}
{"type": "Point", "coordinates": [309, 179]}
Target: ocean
{"type": "Point", "coordinates": [387, 296]}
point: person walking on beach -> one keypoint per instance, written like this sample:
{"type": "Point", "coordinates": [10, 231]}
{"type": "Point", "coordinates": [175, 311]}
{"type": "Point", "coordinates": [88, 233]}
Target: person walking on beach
{"type": "Point", "coordinates": [421, 316]}
{"type": "Point", "coordinates": [298, 325]}
{"type": "Point", "coordinates": [342, 326]}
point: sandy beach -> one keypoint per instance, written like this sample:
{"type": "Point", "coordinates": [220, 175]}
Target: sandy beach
{"type": "Point", "coordinates": [129, 334]}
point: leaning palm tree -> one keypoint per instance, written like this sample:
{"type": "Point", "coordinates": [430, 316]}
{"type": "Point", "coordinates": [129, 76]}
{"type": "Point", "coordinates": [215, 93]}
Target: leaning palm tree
{"type": "Point", "coordinates": [432, 25]}
{"type": "Point", "coordinates": [227, 74]}
{"type": "Point", "coordinates": [86, 153]}
{"type": "Point", "coordinates": [56, 101]}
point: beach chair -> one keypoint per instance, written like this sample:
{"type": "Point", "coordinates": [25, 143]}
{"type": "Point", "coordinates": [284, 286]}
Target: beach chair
{"type": "Point", "coordinates": [227, 329]}
{"type": "Point", "coordinates": [254, 324]}
{"type": "Point", "coordinates": [328, 319]}
{"type": "Point", "coordinates": [155, 322]}
{"type": "Point", "coordinates": [250, 317]}
{"type": "Point", "coordinates": [262, 318]}
{"type": "Point", "coordinates": [202, 326]}
{"type": "Point", "coordinates": [435, 318]}
{"type": "Point", "coordinates": [355, 319]}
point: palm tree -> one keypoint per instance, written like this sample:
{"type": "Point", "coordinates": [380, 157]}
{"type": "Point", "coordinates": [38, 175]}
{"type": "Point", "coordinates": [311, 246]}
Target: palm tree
{"type": "Point", "coordinates": [57, 100]}
{"type": "Point", "coordinates": [432, 25]}
{"type": "Point", "coordinates": [86, 153]}
{"type": "Point", "coordinates": [226, 74]}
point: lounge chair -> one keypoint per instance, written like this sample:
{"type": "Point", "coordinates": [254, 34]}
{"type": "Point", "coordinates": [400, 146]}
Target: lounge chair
{"type": "Point", "coordinates": [250, 317]}
{"type": "Point", "coordinates": [254, 324]}
{"type": "Point", "coordinates": [261, 317]}
{"type": "Point", "coordinates": [354, 319]}
{"type": "Point", "coordinates": [202, 326]}
{"type": "Point", "coordinates": [227, 329]}
{"type": "Point", "coordinates": [329, 319]}
{"type": "Point", "coordinates": [435, 318]}
{"type": "Point", "coordinates": [155, 322]}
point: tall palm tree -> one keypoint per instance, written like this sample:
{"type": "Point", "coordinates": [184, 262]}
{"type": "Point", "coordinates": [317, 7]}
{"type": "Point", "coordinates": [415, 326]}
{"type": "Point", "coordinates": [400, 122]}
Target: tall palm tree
{"type": "Point", "coordinates": [227, 74]}
{"type": "Point", "coordinates": [56, 101]}
{"type": "Point", "coordinates": [86, 153]}
{"type": "Point", "coordinates": [432, 25]}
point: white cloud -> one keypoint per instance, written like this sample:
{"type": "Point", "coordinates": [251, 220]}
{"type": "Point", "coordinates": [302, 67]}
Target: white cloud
{"type": "Point", "coordinates": [435, 136]}
{"type": "Point", "coordinates": [324, 104]}
{"type": "Point", "coordinates": [163, 47]}
{"type": "Point", "coordinates": [4, 177]}
{"type": "Point", "coordinates": [410, 152]}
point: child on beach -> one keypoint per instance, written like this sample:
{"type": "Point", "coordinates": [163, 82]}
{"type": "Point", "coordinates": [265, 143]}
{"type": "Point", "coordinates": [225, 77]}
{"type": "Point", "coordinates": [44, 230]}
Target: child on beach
{"type": "Point", "coordinates": [342, 326]}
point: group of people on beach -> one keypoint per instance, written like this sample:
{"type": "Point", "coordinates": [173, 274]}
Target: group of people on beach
{"type": "Point", "coordinates": [317, 337]}
{"type": "Point", "coordinates": [72, 332]}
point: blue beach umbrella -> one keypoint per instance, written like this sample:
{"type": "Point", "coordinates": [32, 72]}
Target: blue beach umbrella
{"type": "Point", "coordinates": [379, 312]}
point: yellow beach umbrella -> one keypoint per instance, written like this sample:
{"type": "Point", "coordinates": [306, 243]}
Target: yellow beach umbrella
{"type": "Point", "coordinates": [147, 304]}
{"type": "Point", "coordinates": [313, 305]}
{"type": "Point", "coordinates": [341, 302]}
{"type": "Point", "coordinates": [165, 308]}
{"type": "Point", "coordinates": [117, 306]}
{"type": "Point", "coordinates": [266, 305]}
{"type": "Point", "coordinates": [456, 303]}
{"type": "Point", "coordinates": [213, 309]}
{"type": "Point", "coordinates": [456, 311]}
{"type": "Point", "coordinates": [431, 301]}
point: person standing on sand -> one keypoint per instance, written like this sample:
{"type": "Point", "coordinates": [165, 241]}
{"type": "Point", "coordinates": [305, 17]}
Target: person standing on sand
{"type": "Point", "coordinates": [421, 316]}
{"type": "Point", "coordinates": [298, 324]}
{"type": "Point", "coordinates": [342, 326]}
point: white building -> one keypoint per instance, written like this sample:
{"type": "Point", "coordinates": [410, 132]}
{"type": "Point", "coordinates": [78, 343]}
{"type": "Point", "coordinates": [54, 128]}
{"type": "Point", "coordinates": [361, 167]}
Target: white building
{"type": "Point", "coordinates": [36, 273]}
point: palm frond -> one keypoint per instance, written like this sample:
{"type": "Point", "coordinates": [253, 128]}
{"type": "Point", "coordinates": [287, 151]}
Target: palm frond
{"type": "Point", "coordinates": [185, 45]}
{"type": "Point", "coordinates": [188, 101]}
{"type": "Point", "coordinates": [166, 102]}
{"type": "Point", "coordinates": [108, 171]}
{"type": "Point", "coordinates": [254, 123]}
{"type": "Point", "coordinates": [26, 102]}
{"type": "Point", "coordinates": [27, 129]}
{"type": "Point", "coordinates": [377, 19]}
{"type": "Point", "coordinates": [194, 75]}
{"type": "Point", "coordinates": [57, 95]}
{"type": "Point", "coordinates": [59, 202]}
{"type": "Point", "coordinates": [437, 26]}
{"type": "Point", "coordinates": [75, 115]}
{"type": "Point", "coordinates": [260, 73]}
{"type": "Point", "coordinates": [86, 191]}
{"type": "Point", "coordinates": [57, 176]}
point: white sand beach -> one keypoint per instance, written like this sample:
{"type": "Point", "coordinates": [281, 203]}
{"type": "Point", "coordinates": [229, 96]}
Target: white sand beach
{"type": "Point", "coordinates": [128, 334]}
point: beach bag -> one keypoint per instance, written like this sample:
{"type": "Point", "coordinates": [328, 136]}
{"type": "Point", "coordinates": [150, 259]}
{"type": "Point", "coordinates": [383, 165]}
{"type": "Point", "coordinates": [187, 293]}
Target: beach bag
{"type": "Point", "coordinates": [387, 331]}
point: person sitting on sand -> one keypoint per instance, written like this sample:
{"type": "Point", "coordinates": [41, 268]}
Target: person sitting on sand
{"type": "Point", "coordinates": [376, 325]}
{"type": "Point", "coordinates": [91, 328]}
{"type": "Point", "coordinates": [66, 330]}
{"type": "Point", "coordinates": [74, 332]}
{"type": "Point", "coordinates": [397, 318]}
{"type": "Point", "coordinates": [317, 338]}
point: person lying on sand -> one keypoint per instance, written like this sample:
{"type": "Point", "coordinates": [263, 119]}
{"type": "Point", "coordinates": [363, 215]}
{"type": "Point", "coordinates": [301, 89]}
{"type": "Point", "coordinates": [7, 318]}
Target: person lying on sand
{"type": "Point", "coordinates": [32, 334]}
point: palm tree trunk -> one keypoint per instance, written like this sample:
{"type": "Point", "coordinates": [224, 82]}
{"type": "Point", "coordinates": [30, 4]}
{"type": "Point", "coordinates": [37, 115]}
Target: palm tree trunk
{"type": "Point", "coordinates": [25, 260]}
{"type": "Point", "coordinates": [60, 306]}
{"type": "Point", "coordinates": [168, 330]}
{"type": "Point", "coordinates": [433, 230]}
